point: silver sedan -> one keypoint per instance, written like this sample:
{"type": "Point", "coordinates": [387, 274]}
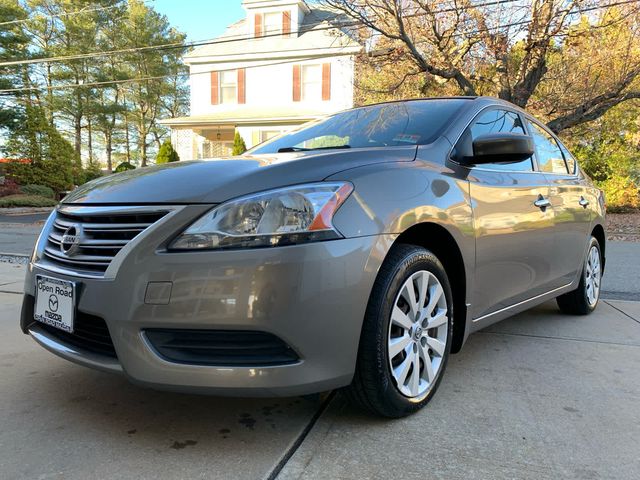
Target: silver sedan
{"type": "Point", "coordinates": [358, 251]}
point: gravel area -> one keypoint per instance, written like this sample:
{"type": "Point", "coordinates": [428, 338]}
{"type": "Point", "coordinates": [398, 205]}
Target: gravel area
{"type": "Point", "coordinates": [623, 227]}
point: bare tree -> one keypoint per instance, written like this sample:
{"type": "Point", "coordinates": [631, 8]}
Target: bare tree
{"type": "Point", "coordinates": [505, 48]}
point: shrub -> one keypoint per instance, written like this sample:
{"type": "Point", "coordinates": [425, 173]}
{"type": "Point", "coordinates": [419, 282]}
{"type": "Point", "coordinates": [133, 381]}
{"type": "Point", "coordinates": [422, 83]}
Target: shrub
{"type": "Point", "coordinates": [52, 173]}
{"type": "Point", "coordinates": [8, 187]}
{"type": "Point", "coordinates": [38, 190]}
{"type": "Point", "coordinates": [239, 147]}
{"type": "Point", "coordinates": [166, 153]}
{"type": "Point", "coordinates": [26, 201]}
{"type": "Point", "coordinates": [92, 172]}
{"type": "Point", "coordinates": [621, 194]}
{"type": "Point", "coordinates": [123, 167]}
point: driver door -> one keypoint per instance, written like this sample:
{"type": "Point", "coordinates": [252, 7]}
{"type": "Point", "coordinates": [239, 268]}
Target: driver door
{"type": "Point", "coordinates": [513, 236]}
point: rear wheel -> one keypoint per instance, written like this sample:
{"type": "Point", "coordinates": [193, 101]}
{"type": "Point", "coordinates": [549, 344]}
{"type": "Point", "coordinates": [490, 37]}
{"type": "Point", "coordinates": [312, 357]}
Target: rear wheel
{"type": "Point", "coordinates": [584, 299]}
{"type": "Point", "coordinates": [406, 335]}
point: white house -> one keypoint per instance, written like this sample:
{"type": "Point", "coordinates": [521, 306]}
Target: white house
{"type": "Point", "coordinates": [286, 63]}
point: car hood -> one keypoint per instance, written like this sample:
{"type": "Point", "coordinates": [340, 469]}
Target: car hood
{"type": "Point", "coordinates": [217, 180]}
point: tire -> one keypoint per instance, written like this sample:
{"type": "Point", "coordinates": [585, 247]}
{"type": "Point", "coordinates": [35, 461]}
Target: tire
{"type": "Point", "coordinates": [377, 384]}
{"type": "Point", "coordinates": [582, 300]}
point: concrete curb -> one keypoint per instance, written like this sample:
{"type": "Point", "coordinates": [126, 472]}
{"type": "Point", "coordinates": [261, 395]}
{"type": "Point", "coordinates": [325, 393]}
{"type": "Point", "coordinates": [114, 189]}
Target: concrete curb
{"type": "Point", "coordinates": [17, 255]}
{"type": "Point", "coordinates": [24, 210]}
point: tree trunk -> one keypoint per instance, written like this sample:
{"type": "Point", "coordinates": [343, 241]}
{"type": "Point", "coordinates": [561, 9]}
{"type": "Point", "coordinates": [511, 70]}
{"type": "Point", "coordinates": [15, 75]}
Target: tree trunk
{"type": "Point", "coordinates": [78, 119]}
{"type": "Point", "coordinates": [108, 149]}
{"type": "Point", "coordinates": [127, 140]}
{"type": "Point", "coordinates": [157, 139]}
{"type": "Point", "coordinates": [90, 141]}
{"type": "Point", "coordinates": [77, 127]}
{"type": "Point", "coordinates": [50, 94]}
{"type": "Point", "coordinates": [142, 138]}
{"type": "Point", "coordinates": [143, 149]}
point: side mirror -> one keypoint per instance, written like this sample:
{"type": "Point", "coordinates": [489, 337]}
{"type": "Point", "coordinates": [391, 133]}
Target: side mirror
{"type": "Point", "coordinates": [501, 147]}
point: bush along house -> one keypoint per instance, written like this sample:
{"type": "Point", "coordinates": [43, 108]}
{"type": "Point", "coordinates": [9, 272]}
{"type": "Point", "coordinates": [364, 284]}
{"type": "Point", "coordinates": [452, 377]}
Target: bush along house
{"type": "Point", "coordinates": [286, 63]}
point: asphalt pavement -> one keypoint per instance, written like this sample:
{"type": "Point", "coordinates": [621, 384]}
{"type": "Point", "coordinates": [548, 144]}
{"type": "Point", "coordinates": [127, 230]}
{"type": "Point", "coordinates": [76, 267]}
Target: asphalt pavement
{"type": "Point", "coordinates": [19, 230]}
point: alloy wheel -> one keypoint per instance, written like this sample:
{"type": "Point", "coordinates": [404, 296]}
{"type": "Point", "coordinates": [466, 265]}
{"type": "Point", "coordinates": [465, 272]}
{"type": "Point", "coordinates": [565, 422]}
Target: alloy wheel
{"type": "Point", "coordinates": [418, 332]}
{"type": "Point", "coordinates": [592, 275]}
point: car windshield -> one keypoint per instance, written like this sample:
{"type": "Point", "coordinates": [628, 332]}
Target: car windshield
{"type": "Point", "coordinates": [385, 125]}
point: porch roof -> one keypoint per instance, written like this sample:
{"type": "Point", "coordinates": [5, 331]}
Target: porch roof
{"type": "Point", "coordinates": [246, 116]}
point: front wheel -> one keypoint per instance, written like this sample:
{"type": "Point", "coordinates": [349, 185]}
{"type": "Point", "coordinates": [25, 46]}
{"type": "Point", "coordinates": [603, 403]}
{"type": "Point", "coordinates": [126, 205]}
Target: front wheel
{"type": "Point", "coordinates": [584, 299]}
{"type": "Point", "coordinates": [406, 335]}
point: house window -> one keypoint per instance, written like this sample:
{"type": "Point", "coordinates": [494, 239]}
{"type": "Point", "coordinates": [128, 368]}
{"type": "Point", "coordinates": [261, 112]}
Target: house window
{"type": "Point", "coordinates": [268, 134]}
{"type": "Point", "coordinates": [229, 86]}
{"type": "Point", "coordinates": [211, 149]}
{"type": "Point", "coordinates": [311, 82]}
{"type": "Point", "coordinates": [272, 23]}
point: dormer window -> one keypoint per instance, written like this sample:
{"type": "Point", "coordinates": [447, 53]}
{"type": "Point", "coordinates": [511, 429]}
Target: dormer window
{"type": "Point", "coordinates": [272, 23]}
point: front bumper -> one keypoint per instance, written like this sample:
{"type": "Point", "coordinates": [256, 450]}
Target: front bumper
{"type": "Point", "coordinates": [311, 296]}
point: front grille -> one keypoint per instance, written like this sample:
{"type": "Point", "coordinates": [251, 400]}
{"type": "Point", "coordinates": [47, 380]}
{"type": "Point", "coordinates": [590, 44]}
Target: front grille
{"type": "Point", "coordinates": [224, 348]}
{"type": "Point", "coordinates": [90, 333]}
{"type": "Point", "coordinates": [104, 233]}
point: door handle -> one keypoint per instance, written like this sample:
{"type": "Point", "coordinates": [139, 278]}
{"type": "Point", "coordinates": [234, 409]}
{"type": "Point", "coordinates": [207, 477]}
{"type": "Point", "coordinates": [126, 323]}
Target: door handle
{"type": "Point", "coordinates": [583, 202]}
{"type": "Point", "coordinates": [542, 202]}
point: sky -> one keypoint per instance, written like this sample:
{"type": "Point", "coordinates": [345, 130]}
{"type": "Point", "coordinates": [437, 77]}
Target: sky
{"type": "Point", "coordinates": [200, 19]}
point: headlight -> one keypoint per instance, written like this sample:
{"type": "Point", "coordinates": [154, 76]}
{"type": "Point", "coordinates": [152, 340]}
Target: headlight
{"type": "Point", "coordinates": [285, 216]}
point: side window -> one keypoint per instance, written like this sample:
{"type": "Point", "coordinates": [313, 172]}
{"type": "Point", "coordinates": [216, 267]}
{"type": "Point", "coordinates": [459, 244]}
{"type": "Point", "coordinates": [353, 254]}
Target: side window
{"type": "Point", "coordinates": [495, 121]}
{"type": "Point", "coordinates": [550, 158]}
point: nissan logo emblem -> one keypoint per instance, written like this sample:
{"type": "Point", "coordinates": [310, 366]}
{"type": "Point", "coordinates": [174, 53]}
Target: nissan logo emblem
{"type": "Point", "coordinates": [70, 242]}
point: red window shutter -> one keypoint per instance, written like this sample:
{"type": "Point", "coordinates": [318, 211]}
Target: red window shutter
{"type": "Point", "coordinates": [242, 96]}
{"type": "Point", "coordinates": [214, 88]}
{"type": "Point", "coordinates": [258, 25]}
{"type": "Point", "coordinates": [326, 81]}
{"type": "Point", "coordinates": [296, 83]}
{"type": "Point", "coordinates": [286, 23]}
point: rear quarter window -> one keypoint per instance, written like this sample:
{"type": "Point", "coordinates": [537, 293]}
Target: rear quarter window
{"type": "Point", "coordinates": [572, 164]}
{"type": "Point", "coordinates": [550, 157]}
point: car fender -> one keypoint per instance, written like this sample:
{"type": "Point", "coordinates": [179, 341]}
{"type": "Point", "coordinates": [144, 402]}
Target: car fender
{"type": "Point", "coordinates": [392, 198]}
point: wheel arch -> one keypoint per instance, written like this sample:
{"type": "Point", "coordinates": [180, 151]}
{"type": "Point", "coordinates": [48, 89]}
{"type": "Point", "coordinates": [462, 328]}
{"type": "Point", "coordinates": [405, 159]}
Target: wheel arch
{"type": "Point", "coordinates": [442, 243]}
{"type": "Point", "coordinates": [599, 234]}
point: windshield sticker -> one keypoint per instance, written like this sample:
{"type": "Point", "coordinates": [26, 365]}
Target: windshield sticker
{"type": "Point", "coordinates": [406, 138]}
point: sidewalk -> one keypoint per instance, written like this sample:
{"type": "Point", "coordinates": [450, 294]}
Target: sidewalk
{"type": "Point", "coordinates": [12, 277]}
{"type": "Point", "coordinates": [537, 396]}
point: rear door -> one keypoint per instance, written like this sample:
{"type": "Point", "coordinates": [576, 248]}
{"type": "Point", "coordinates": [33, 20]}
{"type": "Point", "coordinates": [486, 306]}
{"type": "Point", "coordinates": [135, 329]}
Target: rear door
{"type": "Point", "coordinates": [513, 235]}
{"type": "Point", "coordinates": [569, 204]}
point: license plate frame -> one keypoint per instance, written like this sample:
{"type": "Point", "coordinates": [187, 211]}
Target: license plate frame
{"type": "Point", "coordinates": [55, 302]}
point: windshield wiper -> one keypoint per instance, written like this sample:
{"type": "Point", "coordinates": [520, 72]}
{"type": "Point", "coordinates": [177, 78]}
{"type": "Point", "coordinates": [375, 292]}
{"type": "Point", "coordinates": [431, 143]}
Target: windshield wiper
{"type": "Point", "coordinates": [302, 149]}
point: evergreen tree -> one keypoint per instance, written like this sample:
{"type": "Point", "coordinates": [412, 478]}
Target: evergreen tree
{"type": "Point", "coordinates": [52, 159]}
{"type": "Point", "coordinates": [146, 27]}
{"type": "Point", "coordinates": [167, 154]}
{"type": "Point", "coordinates": [123, 167]}
{"type": "Point", "coordinates": [239, 147]}
{"type": "Point", "coordinates": [13, 44]}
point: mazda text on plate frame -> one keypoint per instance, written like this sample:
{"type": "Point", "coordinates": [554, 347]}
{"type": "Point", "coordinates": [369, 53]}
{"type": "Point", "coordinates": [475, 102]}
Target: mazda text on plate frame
{"type": "Point", "coordinates": [358, 251]}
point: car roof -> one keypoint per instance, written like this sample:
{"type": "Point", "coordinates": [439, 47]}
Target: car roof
{"type": "Point", "coordinates": [477, 100]}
